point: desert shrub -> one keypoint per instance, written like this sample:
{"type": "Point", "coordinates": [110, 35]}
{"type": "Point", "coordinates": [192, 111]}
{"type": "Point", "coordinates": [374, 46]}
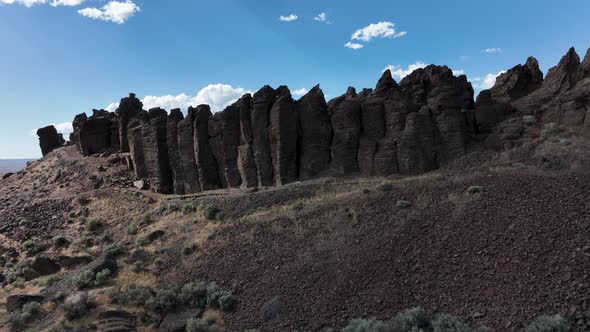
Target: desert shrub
{"type": "Point", "coordinates": [551, 131]}
{"type": "Point", "coordinates": [366, 325]}
{"type": "Point", "coordinates": [85, 242]}
{"type": "Point", "coordinates": [113, 249]}
{"type": "Point", "coordinates": [202, 325]}
{"type": "Point", "coordinates": [385, 186]}
{"type": "Point", "coordinates": [142, 241]}
{"type": "Point", "coordinates": [21, 265]}
{"type": "Point", "coordinates": [210, 211]}
{"type": "Point", "coordinates": [529, 120]}
{"type": "Point", "coordinates": [137, 267]}
{"type": "Point", "coordinates": [49, 281]}
{"type": "Point", "coordinates": [165, 301]}
{"type": "Point", "coordinates": [474, 190]}
{"type": "Point", "coordinates": [93, 225]}
{"type": "Point", "coordinates": [227, 302]}
{"type": "Point", "coordinates": [411, 320]}
{"type": "Point", "coordinates": [402, 204]}
{"type": "Point", "coordinates": [20, 318]}
{"type": "Point", "coordinates": [58, 297]}
{"type": "Point", "coordinates": [189, 208]}
{"type": "Point", "coordinates": [84, 279]}
{"type": "Point", "coordinates": [32, 247]}
{"type": "Point", "coordinates": [555, 323]}
{"type": "Point", "coordinates": [106, 238]}
{"type": "Point", "coordinates": [131, 295]}
{"type": "Point", "coordinates": [167, 209]}
{"type": "Point", "coordinates": [77, 309]}
{"type": "Point", "coordinates": [132, 229]}
{"type": "Point", "coordinates": [194, 294]}
{"type": "Point", "coordinates": [273, 309]}
{"type": "Point", "coordinates": [60, 242]}
{"type": "Point", "coordinates": [83, 200]}
{"type": "Point", "coordinates": [444, 322]}
{"type": "Point", "coordinates": [102, 277]}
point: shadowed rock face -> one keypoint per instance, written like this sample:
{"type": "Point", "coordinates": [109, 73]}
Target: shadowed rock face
{"type": "Point", "coordinates": [129, 108]}
{"type": "Point", "coordinates": [316, 134]}
{"type": "Point", "coordinates": [186, 150]}
{"type": "Point", "coordinates": [206, 163]}
{"type": "Point", "coordinates": [418, 125]}
{"type": "Point", "coordinates": [49, 139]}
{"type": "Point", "coordinates": [172, 141]}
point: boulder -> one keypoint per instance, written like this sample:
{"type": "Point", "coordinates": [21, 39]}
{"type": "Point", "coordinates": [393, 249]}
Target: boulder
{"type": "Point", "coordinates": [262, 102]}
{"type": "Point", "coordinates": [7, 175]}
{"type": "Point", "coordinates": [45, 266]}
{"type": "Point", "coordinates": [140, 184]}
{"type": "Point", "coordinates": [129, 108]}
{"type": "Point", "coordinates": [186, 150]}
{"type": "Point", "coordinates": [206, 164]}
{"type": "Point", "coordinates": [345, 112]}
{"type": "Point", "coordinates": [16, 302]}
{"type": "Point", "coordinates": [216, 146]}
{"type": "Point", "coordinates": [283, 137]}
{"type": "Point", "coordinates": [95, 134]}
{"type": "Point", "coordinates": [246, 163]}
{"type": "Point", "coordinates": [174, 153]}
{"type": "Point", "coordinates": [316, 134]}
{"type": "Point", "coordinates": [76, 124]}
{"type": "Point", "coordinates": [230, 119]}
{"type": "Point", "coordinates": [72, 262]}
{"type": "Point", "coordinates": [49, 139]}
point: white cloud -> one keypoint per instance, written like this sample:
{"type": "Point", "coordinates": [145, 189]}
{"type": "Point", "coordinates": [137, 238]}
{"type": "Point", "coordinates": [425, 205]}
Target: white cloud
{"type": "Point", "coordinates": [354, 46]}
{"type": "Point", "coordinates": [69, 3]}
{"type": "Point", "coordinates": [377, 30]}
{"type": "Point", "coordinates": [493, 50]}
{"type": "Point", "coordinates": [288, 18]}
{"type": "Point", "coordinates": [64, 128]}
{"type": "Point", "coordinates": [26, 3]}
{"type": "Point", "coordinates": [167, 102]}
{"type": "Point", "coordinates": [112, 107]}
{"type": "Point", "coordinates": [322, 17]}
{"type": "Point", "coordinates": [399, 72]}
{"type": "Point", "coordinates": [300, 92]}
{"type": "Point", "coordinates": [114, 11]}
{"type": "Point", "coordinates": [488, 81]}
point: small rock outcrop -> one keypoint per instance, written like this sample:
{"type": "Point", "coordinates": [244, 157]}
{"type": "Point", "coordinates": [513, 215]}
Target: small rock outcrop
{"type": "Point", "coordinates": [49, 139]}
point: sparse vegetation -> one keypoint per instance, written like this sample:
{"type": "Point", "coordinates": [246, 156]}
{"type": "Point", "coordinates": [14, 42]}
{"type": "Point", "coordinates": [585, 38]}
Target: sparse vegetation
{"type": "Point", "coordinates": [210, 211]}
{"type": "Point", "coordinates": [93, 225]}
{"type": "Point", "coordinates": [402, 204]}
{"type": "Point", "coordinates": [83, 200]}
{"type": "Point", "coordinates": [474, 190]}
{"type": "Point", "coordinates": [21, 318]}
{"type": "Point", "coordinates": [142, 241]}
{"type": "Point", "coordinates": [50, 280]}
{"type": "Point", "coordinates": [529, 120]}
{"type": "Point", "coordinates": [114, 249]}
{"type": "Point", "coordinates": [131, 295]}
{"type": "Point", "coordinates": [132, 229]}
{"type": "Point", "coordinates": [88, 279]}
{"type": "Point", "coordinates": [102, 277]}
{"type": "Point", "coordinates": [367, 325]}
{"type": "Point", "coordinates": [273, 309]}
{"type": "Point", "coordinates": [60, 242]}
{"type": "Point", "coordinates": [551, 131]}
{"type": "Point", "coordinates": [385, 186]}
{"type": "Point", "coordinates": [137, 267]}
{"type": "Point", "coordinates": [190, 250]}
{"type": "Point", "coordinates": [555, 323]}
{"type": "Point", "coordinates": [202, 325]}
{"type": "Point", "coordinates": [189, 208]}
{"type": "Point", "coordinates": [32, 247]}
{"type": "Point", "coordinates": [78, 308]}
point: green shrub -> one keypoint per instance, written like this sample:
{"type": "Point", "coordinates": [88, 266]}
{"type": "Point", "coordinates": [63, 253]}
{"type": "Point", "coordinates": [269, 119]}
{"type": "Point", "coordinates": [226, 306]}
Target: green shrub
{"type": "Point", "coordinates": [142, 241]}
{"type": "Point", "coordinates": [194, 294]}
{"type": "Point", "coordinates": [201, 325]}
{"type": "Point", "coordinates": [474, 190]}
{"type": "Point", "coordinates": [86, 242]}
{"type": "Point", "coordinates": [167, 209]}
{"type": "Point", "coordinates": [60, 242]}
{"type": "Point", "coordinates": [83, 200]}
{"type": "Point", "coordinates": [19, 319]}
{"type": "Point", "coordinates": [84, 279]}
{"type": "Point", "coordinates": [93, 225]}
{"type": "Point", "coordinates": [403, 204]}
{"type": "Point", "coordinates": [551, 131]}
{"type": "Point", "coordinates": [114, 249]}
{"type": "Point", "coordinates": [210, 211]}
{"type": "Point", "coordinates": [132, 229]}
{"type": "Point", "coordinates": [32, 247]}
{"type": "Point", "coordinates": [189, 208]}
{"type": "Point", "coordinates": [411, 320]}
{"type": "Point", "coordinates": [555, 323]}
{"type": "Point", "coordinates": [131, 295]}
{"type": "Point", "coordinates": [49, 281]}
{"type": "Point", "coordinates": [367, 325]}
{"type": "Point", "coordinates": [227, 302]}
{"type": "Point", "coordinates": [59, 297]}
{"type": "Point", "coordinates": [102, 277]}
{"type": "Point", "coordinates": [165, 301]}
{"type": "Point", "coordinates": [444, 322]}
{"type": "Point", "coordinates": [137, 267]}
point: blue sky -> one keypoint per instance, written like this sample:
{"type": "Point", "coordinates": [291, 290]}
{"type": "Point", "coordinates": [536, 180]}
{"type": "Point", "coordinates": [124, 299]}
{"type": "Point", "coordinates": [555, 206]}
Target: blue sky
{"type": "Point", "coordinates": [59, 58]}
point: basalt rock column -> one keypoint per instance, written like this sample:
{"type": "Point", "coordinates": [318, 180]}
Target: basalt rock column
{"type": "Point", "coordinates": [49, 139]}
{"type": "Point", "coordinates": [162, 180]}
{"type": "Point", "coordinates": [172, 141]}
{"type": "Point", "coordinates": [76, 125]}
{"type": "Point", "coordinates": [148, 144]}
{"type": "Point", "coordinates": [186, 150]}
{"type": "Point", "coordinates": [216, 145]}
{"type": "Point", "coordinates": [261, 104]}
{"type": "Point", "coordinates": [231, 141]}
{"type": "Point", "coordinates": [129, 107]}
{"type": "Point", "coordinates": [345, 114]}
{"type": "Point", "coordinates": [316, 134]}
{"type": "Point", "coordinates": [373, 130]}
{"type": "Point", "coordinates": [283, 137]}
{"type": "Point", "coordinates": [206, 163]}
{"type": "Point", "coordinates": [416, 151]}
{"type": "Point", "coordinates": [135, 139]}
{"type": "Point", "coordinates": [246, 162]}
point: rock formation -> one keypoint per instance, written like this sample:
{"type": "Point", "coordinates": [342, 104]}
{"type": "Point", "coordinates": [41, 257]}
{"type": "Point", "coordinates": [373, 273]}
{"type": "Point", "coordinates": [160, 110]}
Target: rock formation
{"type": "Point", "coordinates": [423, 122]}
{"type": "Point", "coordinates": [49, 139]}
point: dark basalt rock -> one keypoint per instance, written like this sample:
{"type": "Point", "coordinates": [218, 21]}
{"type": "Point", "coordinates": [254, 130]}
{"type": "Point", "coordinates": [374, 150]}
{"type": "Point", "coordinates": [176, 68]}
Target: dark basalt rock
{"type": "Point", "coordinates": [206, 163]}
{"type": "Point", "coordinates": [246, 163]}
{"type": "Point", "coordinates": [49, 139]}
{"type": "Point", "coordinates": [97, 133]}
{"type": "Point", "coordinates": [129, 108]}
{"type": "Point", "coordinates": [45, 266]}
{"type": "Point", "coordinates": [216, 145]}
{"type": "Point", "coordinates": [172, 141]}
{"type": "Point", "coordinates": [135, 140]}
{"type": "Point", "coordinates": [262, 103]}
{"type": "Point", "coordinates": [316, 134]}
{"type": "Point", "coordinates": [565, 75]}
{"type": "Point", "coordinates": [186, 150]}
{"type": "Point", "coordinates": [283, 137]}
{"type": "Point", "coordinates": [76, 124]}
{"type": "Point", "coordinates": [518, 81]}
{"type": "Point", "coordinates": [345, 114]}
{"type": "Point", "coordinates": [16, 302]}
{"type": "Point", "coordinates": [161, 181]}
{"type": "Point", "coordinates": [230, 119]}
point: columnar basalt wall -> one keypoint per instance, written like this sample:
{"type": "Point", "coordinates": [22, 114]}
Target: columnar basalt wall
{"type": "Point", "coordinates": [424, 122]}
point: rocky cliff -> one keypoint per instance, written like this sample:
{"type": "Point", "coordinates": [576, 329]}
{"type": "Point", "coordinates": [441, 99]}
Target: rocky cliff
{"type": "Point", "coordinates": [268, 138]}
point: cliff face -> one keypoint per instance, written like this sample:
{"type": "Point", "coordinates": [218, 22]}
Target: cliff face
{"type": "Point", "coordinates": [267, 139]}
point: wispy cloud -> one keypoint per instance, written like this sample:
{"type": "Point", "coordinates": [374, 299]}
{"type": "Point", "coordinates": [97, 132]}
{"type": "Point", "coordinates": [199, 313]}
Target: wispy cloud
{"type": "Point", "coordinates": [300, 92]}
{"type": "Point", "coordinates": [493, 50]}
{"type": "Point", "coordinates": [354, 46]}
{"type": "Point", "coordinates": [114, 11]}
{"type": "Point", "coordinates": [288, 18]}
{"type": "Point", "coordinates": [69, 3]}
{"type": "Point", "coordinates": [26, 3]}
{"type": "Point", "coordinates": [322, 17]}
